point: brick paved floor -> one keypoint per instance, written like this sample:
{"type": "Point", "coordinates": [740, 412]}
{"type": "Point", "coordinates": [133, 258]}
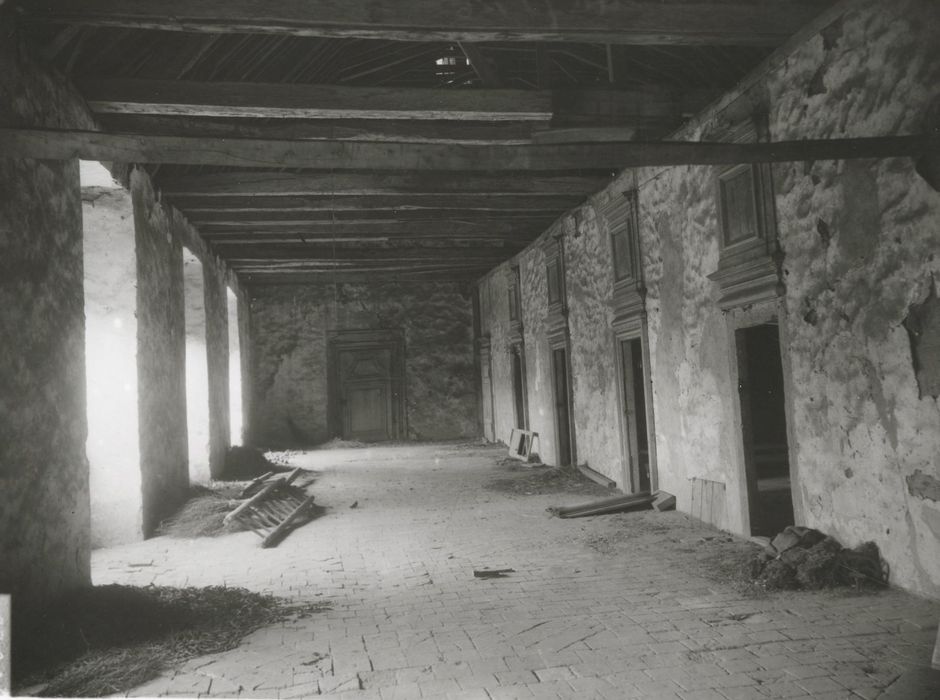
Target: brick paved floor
{"type": "Point", "coordinates": [575, 620]}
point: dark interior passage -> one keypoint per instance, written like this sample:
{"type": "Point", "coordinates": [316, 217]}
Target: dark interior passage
{"type": "Point", "coordinates": [634, 408]}
{"type": "Point", "coordinates": [519, 390]}
{"type": "Point", "coordinates": [764, 428]}
{"type": "Point", "coordinates": [562, 406]}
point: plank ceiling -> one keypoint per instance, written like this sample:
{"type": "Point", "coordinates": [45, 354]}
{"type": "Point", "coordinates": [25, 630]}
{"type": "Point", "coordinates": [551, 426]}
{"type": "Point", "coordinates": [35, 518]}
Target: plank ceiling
{"type": "Point", "coordinates": [413, 78]}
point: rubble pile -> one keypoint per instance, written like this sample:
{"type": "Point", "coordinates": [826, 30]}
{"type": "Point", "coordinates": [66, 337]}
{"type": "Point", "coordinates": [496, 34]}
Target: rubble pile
{"type": "Point", "coordinates": [807, 559]}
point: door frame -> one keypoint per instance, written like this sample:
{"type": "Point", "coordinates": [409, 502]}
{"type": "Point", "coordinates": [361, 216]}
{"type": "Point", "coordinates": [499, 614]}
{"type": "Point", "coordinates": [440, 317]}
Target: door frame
{"type": "Point", "coordinates": [341, 341]}
{"type": "Point", "coordinates": [741, 319]}
{"type": "Point", "coordinates": [517, 354]}
{"type": "Point", "coordinates": [554, 345]}
{"type": "Point", "coordinates": [631, 473]}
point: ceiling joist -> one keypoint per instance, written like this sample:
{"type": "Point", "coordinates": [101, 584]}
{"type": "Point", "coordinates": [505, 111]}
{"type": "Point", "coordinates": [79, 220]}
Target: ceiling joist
{"type": "Point", "coordinates": [275, 184]}
{"type": "Point", "coordinates": [292, 101]}
{"type": "Point", "coordinates": [196, 206]}
{"type": "Point", "coordinates": [633, 107]}
{"type": "Point", "coordinates": [405, 130]}
{"type": "Point", "coordinates": [731, 22]}
{"type": "Point", "coordinates": [372, 228]}
{"type": "Point", "coordinates": [66, 144]}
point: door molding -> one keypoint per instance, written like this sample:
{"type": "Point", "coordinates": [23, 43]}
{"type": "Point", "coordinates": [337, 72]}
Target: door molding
{"type": "Point", "coordinates": [768, 312]}
{"type": "Point", "coordinates": [341, 341]}
{"type": "Point", "coordinates": [636, 331]}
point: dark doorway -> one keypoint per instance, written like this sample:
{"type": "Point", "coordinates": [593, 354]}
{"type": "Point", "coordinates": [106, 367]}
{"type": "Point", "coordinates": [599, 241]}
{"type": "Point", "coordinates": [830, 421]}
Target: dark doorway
{"type": "Point", "coordinates": [562, 406]}
{"type": "Point", "coordinates": [634, 413]}
{"type": "Point", "coordinates": [764, 429]}
{"type": "Point", "coordinates": [520, 402]}
{"type": "Point", "coordinates": [367, 376]}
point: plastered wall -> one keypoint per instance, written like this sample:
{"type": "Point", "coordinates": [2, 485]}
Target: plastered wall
{"type": "Point", "coordinates": [289, 327]}
{"type": "Point", "coordinates": [44, 501]}
{"type": "Point", "coordinates": [861, 241]}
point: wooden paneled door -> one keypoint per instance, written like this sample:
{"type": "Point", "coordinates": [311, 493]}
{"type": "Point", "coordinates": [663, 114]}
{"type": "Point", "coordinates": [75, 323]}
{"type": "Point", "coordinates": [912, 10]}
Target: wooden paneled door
{"type": "Point", "coordinates": [366, 386]}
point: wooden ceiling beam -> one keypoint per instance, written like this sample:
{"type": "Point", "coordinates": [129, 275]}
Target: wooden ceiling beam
{"type": "Point", "coordinates": [63, 144]}
{"type": "Point", "coordinates": [410, 131]}
{"type": "Point", "coordinates": [295, 101]}
{"type": "Point", "coordinates": [409, 184]}
{"type": "Point", "coordinates": [374, 228]}
{"type": "Point", "coordinates": [274, 217]}
{"type": "Point", "coordinates": [314, 254]}
{"type": "Point", "coordinates": [637, 106]}
{"type": "Point", "coordinates": [731, 22]}
{"type": "Point", "coordinates": [431, 235]}
{"type": "Point", "coordinates": [196, 205]}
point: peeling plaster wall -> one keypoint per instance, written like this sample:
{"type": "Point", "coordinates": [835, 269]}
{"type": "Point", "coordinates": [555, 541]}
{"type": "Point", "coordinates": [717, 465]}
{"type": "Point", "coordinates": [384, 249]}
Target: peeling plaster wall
{"type": "Point", "coordinates": [113, 447]}
{"type": "Point", "coordinates": [495, 322]}
{"type": "Point", "coordinates": [861, 240]}
{"type": "Point", "coordinates": [863, 430]}
{"type": "Point", "coordinates": [538, 358]}
{"type": "Point", "coordinates": [589, 280]}
{"type": "Point", "coordinates": [690, 352]}
{"type": "Point", "coordinates": [494, 316]}
{"type": "Point", "coordinates": [289, 327]}
{"type": "Point", "coordinates": [44, 503]}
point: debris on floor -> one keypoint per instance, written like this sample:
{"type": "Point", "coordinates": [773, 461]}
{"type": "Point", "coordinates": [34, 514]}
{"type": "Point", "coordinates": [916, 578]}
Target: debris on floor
{"type": "Point", "coordinates": [803, 558]}
{"type": "Point", "coordinates": [492, 573]}
{"type": "Point", "coordinates": [524, 480]}
{"type": "Point", "coordinates": [202, 515]}
{"type": "Point", "coordinates": [618, 504]}
{"type": "Point", "coordinates": [522, 443]}
{"type": "Point", "coordinates": [274, 510]}
{"type": "Point", "coordinates": [106, 640]}
{"type": "Point", "coordinates": [664, 501]}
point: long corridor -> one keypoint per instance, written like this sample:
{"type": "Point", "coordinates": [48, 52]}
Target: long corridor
{"type": "Point", "coordinates": [589, 610]}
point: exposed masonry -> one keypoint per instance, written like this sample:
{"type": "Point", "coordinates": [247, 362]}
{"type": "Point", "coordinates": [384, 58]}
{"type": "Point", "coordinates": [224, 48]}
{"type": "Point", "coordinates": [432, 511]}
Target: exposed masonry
{"type": "Point", "coordinates": [290, 329]}
{"type": "Point", "coordinates": [859, 241]}
{"type": "Point", "coordinates": [42, 371]}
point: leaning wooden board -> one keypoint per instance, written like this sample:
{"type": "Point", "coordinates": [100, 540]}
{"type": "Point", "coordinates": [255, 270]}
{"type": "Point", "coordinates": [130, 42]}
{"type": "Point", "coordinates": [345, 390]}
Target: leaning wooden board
{"type": "Point", "coordinates": [272, 511]}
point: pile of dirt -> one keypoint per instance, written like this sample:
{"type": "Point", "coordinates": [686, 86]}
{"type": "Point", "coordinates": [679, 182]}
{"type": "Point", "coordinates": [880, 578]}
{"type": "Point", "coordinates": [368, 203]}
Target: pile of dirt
{"type": "Point", "coordinates": [800, 558]}
{"type": "Point", "coordinates": [108, 639]}
{"type": "Point", "coordinates": [535, 479]}
{"type": "Point", "coordinates": [797, 559]}
{"type": "Point", "coordinates": [202, 514]}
